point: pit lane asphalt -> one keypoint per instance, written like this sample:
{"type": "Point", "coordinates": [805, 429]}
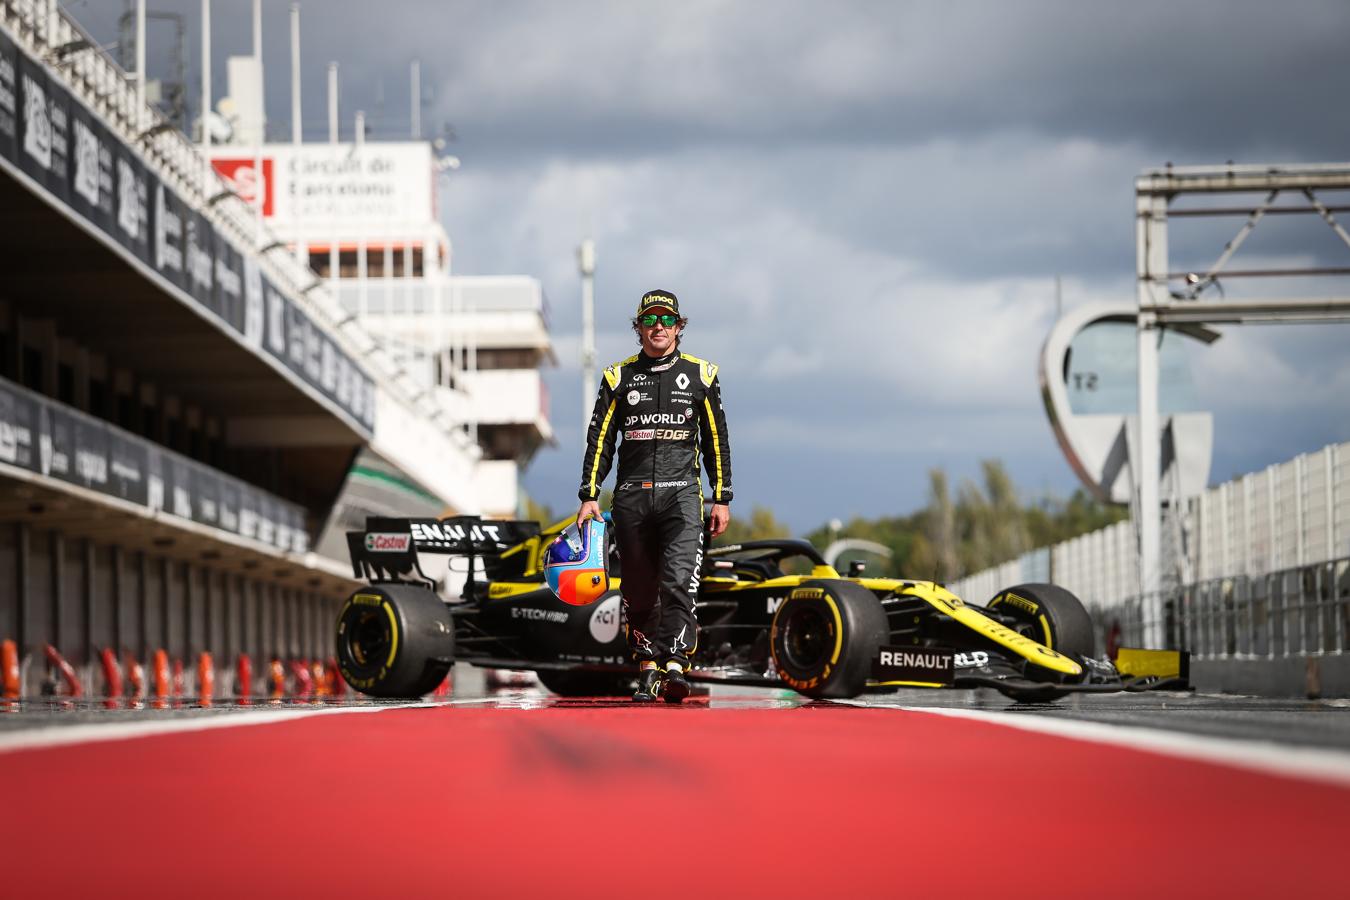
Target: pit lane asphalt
{"type": "Point", "coordinates": [1291, 722]}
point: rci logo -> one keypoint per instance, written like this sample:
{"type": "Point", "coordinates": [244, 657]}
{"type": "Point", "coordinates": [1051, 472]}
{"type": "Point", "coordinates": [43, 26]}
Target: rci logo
{"type": "Point", "coordinates": [605, 621]}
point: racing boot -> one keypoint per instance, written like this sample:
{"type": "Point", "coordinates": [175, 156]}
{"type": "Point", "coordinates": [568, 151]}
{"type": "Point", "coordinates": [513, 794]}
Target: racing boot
{"type": "Point", "coordinates": [676, 687]}
{"type": "Point", "coordinates": [649, 686]}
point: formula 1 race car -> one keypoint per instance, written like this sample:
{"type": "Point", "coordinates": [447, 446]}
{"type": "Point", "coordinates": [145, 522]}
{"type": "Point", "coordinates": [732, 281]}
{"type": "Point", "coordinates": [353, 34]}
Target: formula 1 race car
{"type": "Point", "coordinates": [771, 613]}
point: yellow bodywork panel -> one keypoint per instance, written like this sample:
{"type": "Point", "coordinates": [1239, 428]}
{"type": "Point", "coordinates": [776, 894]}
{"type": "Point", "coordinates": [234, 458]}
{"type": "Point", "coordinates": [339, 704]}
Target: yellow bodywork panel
{"type": "Point", "coordinates": [945, 601]}
{"type": "Point", "coordinates": [500, 590]}
{"type": "Point", "coordinates": [1133, 663]}
{"type": "Point", "coordinates": [921, 684]}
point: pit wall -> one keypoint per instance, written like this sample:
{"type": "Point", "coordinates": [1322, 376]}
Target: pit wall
{"type": "Point", "coordinates": [81, 597]}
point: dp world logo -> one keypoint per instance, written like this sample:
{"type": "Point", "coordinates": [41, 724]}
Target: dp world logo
{"type": "Point", "coordinates": [388, 543]}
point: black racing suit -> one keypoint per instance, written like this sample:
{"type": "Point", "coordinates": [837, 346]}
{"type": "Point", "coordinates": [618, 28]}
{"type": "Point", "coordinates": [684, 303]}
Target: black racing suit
{"type": "Point", "coordinates": [669, 411]}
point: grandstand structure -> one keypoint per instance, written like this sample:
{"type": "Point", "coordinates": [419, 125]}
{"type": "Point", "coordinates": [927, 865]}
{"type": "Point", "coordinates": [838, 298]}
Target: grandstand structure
{"type": "Point", "coordinates": [184, 401]}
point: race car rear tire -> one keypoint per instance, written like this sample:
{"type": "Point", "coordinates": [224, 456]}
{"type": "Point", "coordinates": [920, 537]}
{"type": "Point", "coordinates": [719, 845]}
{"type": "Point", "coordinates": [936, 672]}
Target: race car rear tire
{"type": "Point", "coordinates": [395, 640]}
{"type": "Point", "coordinates": [1052, 616]}
{"type": "Point", "coordinates": [586, 684]}
{"type": "Point", "coordinates": [825, 636]}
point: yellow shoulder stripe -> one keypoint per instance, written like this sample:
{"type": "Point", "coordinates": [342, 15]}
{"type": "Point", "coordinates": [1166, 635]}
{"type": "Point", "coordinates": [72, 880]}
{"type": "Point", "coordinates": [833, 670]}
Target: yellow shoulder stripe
{"type": "Point", "coordinates": [706, 371]}
{"type": "Point", "coordinates": [614, 372]}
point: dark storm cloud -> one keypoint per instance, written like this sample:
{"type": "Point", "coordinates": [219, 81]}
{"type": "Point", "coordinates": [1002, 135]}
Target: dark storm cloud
{"type": "Point", "coordinates": [1199, 79]}
{"type": "Point", "coordinates": [864, 203]}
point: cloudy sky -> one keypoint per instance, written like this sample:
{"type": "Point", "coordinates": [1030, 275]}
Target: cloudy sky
{"type": "Point", "coordinates": [862, 205]}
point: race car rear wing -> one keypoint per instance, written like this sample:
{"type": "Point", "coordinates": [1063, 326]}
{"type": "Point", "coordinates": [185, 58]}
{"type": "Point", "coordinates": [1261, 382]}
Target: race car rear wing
{"type": "Point", "coordinates": [387, 549]}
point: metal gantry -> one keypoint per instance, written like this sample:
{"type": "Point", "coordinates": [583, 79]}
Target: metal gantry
{"type": "Point", "coordinates": [1172, 299]}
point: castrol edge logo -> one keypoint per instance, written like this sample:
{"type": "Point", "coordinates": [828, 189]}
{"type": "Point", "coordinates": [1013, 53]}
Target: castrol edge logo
{"type": "Point", "coordinates": [388, 543]}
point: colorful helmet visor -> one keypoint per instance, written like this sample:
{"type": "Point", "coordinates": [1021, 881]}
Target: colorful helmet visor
{"type": "Point", "coordinates": [575, 563]}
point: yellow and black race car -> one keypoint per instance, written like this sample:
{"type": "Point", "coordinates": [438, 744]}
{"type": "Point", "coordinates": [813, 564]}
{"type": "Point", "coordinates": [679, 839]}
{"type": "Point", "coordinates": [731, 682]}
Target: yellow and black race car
{"type": "Point", "coordinates": [771, 613]}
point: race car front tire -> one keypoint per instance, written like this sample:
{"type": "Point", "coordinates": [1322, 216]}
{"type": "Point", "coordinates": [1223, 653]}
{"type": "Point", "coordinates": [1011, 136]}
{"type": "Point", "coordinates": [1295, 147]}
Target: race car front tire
{"type": "Point", "coordinates": [825, 636]}
{"type": "Point", "coordinates": [586, 684]}
{"type": "Point", "coordinates": [395, 640]}
{"type": "Point", "coordinates": [1049, 615]}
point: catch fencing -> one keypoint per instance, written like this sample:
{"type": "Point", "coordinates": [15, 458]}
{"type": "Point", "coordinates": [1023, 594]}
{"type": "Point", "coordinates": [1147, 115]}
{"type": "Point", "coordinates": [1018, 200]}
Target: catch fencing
{"type": "Point", "coordinates": [1256, 567]}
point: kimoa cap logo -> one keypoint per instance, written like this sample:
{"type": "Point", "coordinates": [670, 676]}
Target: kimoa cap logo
{"type": "Point", "coordinates": [659, 298]}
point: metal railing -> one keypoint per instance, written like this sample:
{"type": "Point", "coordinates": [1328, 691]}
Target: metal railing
{"type": "Point", "coordinates": [1295, 612]}
{"type": "Point", "coordinates": [90, 73]}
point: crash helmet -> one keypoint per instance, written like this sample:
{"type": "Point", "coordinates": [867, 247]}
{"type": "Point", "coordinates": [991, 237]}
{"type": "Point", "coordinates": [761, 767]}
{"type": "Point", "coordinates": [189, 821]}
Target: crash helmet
{"type": "Point", "coordinates": [575, 564]}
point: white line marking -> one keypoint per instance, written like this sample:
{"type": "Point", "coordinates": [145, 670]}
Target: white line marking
{"type": "Point", "coordinates": [1312, 763]}
{"type": "Point", "coordinates": [65, 735]}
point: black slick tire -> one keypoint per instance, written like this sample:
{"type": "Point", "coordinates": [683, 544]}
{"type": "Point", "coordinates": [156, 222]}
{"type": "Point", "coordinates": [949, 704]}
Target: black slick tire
{"type": "Point", "coordinates": [825, 636]}
{"type": "Point", "coordinates": [395, 641]}
{"type": "Point", "coordinates": [1049, 615]}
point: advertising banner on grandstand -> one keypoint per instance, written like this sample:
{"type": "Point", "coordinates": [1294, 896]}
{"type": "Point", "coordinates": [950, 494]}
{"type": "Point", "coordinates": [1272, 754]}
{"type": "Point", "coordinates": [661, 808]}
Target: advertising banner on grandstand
{"type": "Point", "coordinates": [9, 97]}
{"type": "Point", "coordinates": [350, 188]}
{"type": "Point", "coordinates": [52, 440]}
{"type": "Point", "coordinates": [71, 153]}
{"type": "Point", "coordinates": [228, 301]}
{"type": "Point", "coordinates": [44, 129]}
{"type": "Point", "coordinates": [18, 429]}
{"type": "Point", "coordinates": [169, 246]}
{"type": "Point", "coordinates": [93, 171]}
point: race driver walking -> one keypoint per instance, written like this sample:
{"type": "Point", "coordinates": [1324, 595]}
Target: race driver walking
{"type": "Point", "coordinates": [668, 407]}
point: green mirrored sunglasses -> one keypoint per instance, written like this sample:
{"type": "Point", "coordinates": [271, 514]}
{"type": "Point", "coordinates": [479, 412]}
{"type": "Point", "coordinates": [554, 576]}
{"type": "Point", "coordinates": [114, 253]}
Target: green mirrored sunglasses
{"type": "Point", "coordinates": [651, 319]}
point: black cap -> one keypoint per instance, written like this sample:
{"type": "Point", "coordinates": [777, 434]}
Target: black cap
{"type": "Point", "coordinates": [656, 299]}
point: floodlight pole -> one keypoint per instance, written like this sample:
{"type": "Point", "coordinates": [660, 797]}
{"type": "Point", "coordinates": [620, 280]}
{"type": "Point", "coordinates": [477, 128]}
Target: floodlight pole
{"type": "Point", "coordinates": [258, 186]}
{"type": "Point", "coordinates": [332, 103]}
{"type": "Point", "coordinates": [415, 79]}
{"type": "Point", "coordinates": [296, 133]}
{"type": "Point", "coordinates": [586, 260]}
{"type": "Point", "coordinates": [140, 65]}
{"type": "Point", "coordinates": [206, 94]}
{"type": "Point", "coordinates": [1151, 288]}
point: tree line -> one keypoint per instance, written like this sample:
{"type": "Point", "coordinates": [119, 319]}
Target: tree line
{"type": "Point", "coordinates": [959, 532]}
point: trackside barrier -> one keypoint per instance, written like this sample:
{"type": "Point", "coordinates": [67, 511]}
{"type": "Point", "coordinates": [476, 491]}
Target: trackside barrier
{"type": "Point", "coordinates": [54, 657]}
{"type": "Point", "coordinates": [276, 679]}
{"type": "Point", "coordinates": [1255, 568]}
{"type": "Point", "coordinates": [322, 688]}
{"type": "Point", "coordinates": [206, 677]}
{"type": "Point", "coordinates": [243, 677]}
{"type": "Point", "coordinates": [161, 673]}
{"type": "Point", "coordinates": [135, 677]}
{"type": "Point", "coordinates": [9, 666]}
{"type": "Point", "coordinates": [304, 684]}
{"type": "Point", "coordinates": [112, 674]}
{"type": "Point", "coordinates": [1299, 612]}
{"type": "Point", "coordinates": [177, 678]}
{"type": "Point", "coordinates": [338, 684]}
